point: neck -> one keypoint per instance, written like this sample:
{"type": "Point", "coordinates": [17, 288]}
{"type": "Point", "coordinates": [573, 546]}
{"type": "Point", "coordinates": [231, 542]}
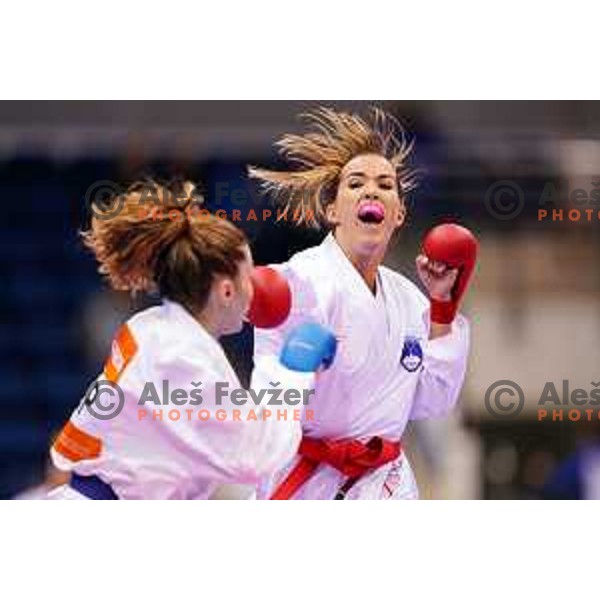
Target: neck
{"type": "Point", "coordinates": [209, 321]}
{"type": "Point", "coordinates": [366, 264]}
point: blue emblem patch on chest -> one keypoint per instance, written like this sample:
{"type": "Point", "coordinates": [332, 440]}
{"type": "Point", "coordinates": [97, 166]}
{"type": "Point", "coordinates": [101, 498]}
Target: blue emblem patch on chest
{"type": "Point", "coordinates": [412, 354]}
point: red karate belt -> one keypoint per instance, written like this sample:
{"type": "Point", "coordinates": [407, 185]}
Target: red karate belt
{"type": "Point", "coordinates": [352, 458]}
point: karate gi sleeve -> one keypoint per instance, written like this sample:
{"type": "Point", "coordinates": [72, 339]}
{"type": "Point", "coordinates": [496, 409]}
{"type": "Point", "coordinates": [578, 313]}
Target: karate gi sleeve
{"type": "Point", "coordinates": [242, 447]}
{"type": "Point", "coordinates": [443, 372]}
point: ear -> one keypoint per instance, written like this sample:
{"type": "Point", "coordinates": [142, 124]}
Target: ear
{"type": "Point", "coordinates": [401, 214]}
{"type": "Point", "coordinates": [226, 289]}
{"type": "Point", "coordinates": [331, 214]}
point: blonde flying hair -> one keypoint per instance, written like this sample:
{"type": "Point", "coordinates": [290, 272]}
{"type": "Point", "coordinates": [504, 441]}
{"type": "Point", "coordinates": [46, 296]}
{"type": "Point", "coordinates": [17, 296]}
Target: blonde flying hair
{"type": "Point", "coordinates": [174, 251]}
{"type": "Point", "coordinates": [319, 156]}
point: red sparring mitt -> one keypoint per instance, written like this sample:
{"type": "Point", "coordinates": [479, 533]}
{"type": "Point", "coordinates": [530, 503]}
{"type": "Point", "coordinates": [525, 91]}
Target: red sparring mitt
{"type": "Point", "coordinates": [272, 298]}
{"type": "Point", "coordinates": [457, 247]}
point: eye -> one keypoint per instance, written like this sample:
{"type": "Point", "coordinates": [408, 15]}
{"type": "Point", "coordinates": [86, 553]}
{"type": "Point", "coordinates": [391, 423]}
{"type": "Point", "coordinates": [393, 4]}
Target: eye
{"type": "Point", "coordinates": [354, 183]}
{"type": "Point", "coordinates": [386, 185]}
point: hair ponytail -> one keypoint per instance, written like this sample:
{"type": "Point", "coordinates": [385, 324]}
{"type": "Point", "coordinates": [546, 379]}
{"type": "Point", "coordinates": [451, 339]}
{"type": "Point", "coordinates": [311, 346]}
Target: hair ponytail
{"type": "Point", "coordinates": [176, 253]}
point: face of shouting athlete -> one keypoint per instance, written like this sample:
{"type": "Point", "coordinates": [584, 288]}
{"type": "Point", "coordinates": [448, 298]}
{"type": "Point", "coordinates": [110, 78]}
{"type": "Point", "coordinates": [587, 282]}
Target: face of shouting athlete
{"type": "Point", "coordinates": [367, 208]}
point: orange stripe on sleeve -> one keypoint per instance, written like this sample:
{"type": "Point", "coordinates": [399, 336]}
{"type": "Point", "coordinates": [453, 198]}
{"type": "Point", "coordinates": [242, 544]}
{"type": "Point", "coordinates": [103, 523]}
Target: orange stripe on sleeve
{"type": "Point", "coordinates": [75, 444]}
{"type": "Point", "coordinates": [124, 348]}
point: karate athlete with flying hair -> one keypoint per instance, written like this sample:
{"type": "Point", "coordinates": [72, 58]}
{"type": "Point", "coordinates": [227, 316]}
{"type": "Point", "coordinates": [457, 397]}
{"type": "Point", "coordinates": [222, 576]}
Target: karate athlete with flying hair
{"type": "Point", "coordinates": [401, 355]}
{"type": "Point", "coordinates": [203, 270]}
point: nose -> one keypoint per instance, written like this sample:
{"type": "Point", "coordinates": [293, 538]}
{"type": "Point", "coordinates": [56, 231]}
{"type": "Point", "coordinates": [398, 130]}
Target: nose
{"type": "Point", "coordinates": [371, 195]}
{"type": "Point", "coordinates": [371, 192]}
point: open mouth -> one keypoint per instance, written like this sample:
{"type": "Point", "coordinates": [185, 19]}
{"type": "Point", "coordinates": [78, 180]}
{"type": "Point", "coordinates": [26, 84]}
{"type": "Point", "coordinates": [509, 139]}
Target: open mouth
{"type": "Point", "coordinates": [371, 212]}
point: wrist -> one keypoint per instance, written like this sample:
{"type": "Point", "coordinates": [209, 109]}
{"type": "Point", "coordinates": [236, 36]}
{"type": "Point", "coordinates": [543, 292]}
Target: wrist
{"type": "Point", "coordinates": [443, 311]}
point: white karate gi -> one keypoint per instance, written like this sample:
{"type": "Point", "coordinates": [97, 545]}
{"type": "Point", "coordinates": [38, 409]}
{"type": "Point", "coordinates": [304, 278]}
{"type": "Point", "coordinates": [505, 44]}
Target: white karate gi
{"type": "Point", "coordinates": [181, 459]}
{"type": "Point", "coordinates": [371, 389]}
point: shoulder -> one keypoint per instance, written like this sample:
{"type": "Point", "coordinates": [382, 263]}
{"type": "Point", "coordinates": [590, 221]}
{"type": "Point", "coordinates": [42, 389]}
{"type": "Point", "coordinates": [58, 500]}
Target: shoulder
{"type": "Point", "coordinates": [164, 332]}
{"type": "Point", "coordinates": [307, 264]}
{"type": "Point", "coordinates": [311, 280]}
{"type": "Point", "coordinates": [170, 340]}
{"type": "Point", "coordinates": [145, 325]}
{"type": "Point", "coordinates": [146, 316]}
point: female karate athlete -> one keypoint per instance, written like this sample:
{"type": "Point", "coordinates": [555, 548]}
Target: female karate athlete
{"type": "Point", "coordinates": [401, 356]}
{"type": "Point", "coordinates": [202, 268]}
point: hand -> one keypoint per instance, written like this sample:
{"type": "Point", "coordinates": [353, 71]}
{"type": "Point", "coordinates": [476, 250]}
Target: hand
{"type": "Point", "coordinates": [309, 347]}
{"type": "Point", "coordinates": [437, 277]}
{"type": "Point", "coordinates": [445, 267]}
{"type": "Point", "coordinates": [272, 298]}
